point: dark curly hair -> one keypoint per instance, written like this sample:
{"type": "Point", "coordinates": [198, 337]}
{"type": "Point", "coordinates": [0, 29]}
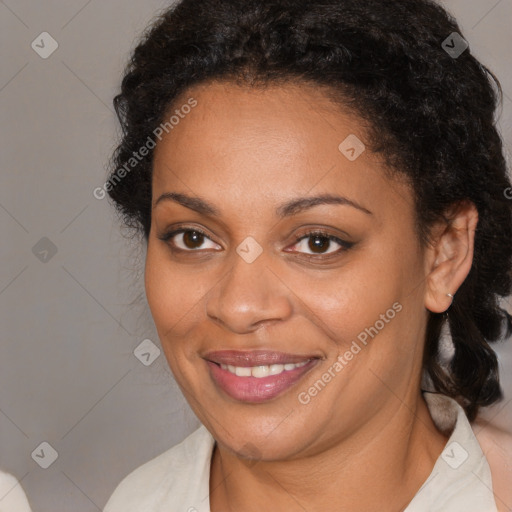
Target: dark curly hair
{"type": "Point", "coordinates": [430, 115]}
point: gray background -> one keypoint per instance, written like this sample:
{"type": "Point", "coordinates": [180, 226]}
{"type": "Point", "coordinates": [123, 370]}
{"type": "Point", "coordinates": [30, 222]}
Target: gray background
{"type": "Point", "coordinates": [69, 324]}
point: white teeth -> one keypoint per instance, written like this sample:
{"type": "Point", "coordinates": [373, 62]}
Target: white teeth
{"type": "Point", "coordinates": [242, 371]}
{"type": "Point", "coordinates": [262, 370]}
{"type": "Point", "coordinates": [276, 369]}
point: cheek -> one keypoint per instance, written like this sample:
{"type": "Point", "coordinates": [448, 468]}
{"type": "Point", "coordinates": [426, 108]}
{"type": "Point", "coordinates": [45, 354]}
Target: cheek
{"type": "Point", "coordinates": [175, 299]}
{"type": "Point", "coordinates": [367, 310]}
{"type": "Point", "coordinates": [346, 301]}
{"type": "Point", "coordinates": [174, 295]}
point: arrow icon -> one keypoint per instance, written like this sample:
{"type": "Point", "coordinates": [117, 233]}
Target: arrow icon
{"type": "Point", "coordinates": [44, 250]}
{"type": "Point", "coordinates": [44, 45]}
{"type": "Point", "coordinates": [146, 352]}
{"type": "Point", "coordinates": [351, 147]}
{"type": "Point", "coordinates": [44, 455]}
{"type": "Point", "coordinates": [454, 45]}
{"type": "Point", "coordinates": [249, 249]}
{"type": "Point", "coordinates": [454, 455]}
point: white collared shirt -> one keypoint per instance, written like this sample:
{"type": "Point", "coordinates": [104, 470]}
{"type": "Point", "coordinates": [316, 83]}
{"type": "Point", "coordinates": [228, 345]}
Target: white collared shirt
{"type": "Point", "coordinates": [178, 480]}
{"type": "Point", "coordinates": [12, 496]}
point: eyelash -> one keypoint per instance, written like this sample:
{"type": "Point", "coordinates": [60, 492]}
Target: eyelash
{"type": "Point", "coordinates": [166, 237]}
{"type": "Point", "coordinates": [345, 245]}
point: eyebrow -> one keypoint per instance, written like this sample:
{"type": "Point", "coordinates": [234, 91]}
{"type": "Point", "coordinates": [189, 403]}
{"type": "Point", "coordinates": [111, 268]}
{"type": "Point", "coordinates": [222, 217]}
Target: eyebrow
{"type": "Point", "coordinates": [298, 205]}
{"type": "Point", "coordinates": [194, 203]}
{"type": "Point", "coordinates": [287, 209]}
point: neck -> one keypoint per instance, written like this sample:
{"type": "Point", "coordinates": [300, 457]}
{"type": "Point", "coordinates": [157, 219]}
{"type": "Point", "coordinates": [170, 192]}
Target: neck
{"type": "Point", "coordinates": [386, 462]}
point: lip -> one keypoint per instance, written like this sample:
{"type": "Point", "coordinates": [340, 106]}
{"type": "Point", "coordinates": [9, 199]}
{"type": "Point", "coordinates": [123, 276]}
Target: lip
{"type": "Point", "coordinates": [253, 389]}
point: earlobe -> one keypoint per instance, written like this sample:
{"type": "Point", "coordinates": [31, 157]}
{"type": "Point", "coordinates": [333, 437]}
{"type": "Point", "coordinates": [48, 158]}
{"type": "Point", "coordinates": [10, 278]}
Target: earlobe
{"type": "Point", "coordinates": [450, 256]}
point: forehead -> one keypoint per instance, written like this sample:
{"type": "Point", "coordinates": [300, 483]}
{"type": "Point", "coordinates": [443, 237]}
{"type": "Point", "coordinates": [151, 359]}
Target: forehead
{"type": "Point", "coordinates": [294, 116]}
{"type": "Point", "coordinates": [267, 144]}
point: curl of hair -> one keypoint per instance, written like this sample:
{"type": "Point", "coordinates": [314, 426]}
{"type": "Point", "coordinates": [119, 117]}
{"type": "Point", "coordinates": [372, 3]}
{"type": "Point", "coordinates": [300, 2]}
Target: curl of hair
{"type": "Point", "coordinates": [431, 117]}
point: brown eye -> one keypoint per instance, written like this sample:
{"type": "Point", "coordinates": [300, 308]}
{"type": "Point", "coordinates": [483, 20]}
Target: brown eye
{"type": "Point", "coordinates": [193, 239]}
{"type": "Point", "coordinates": [189, 240]}
{"type": "Point", "coordinates": [318, 243]}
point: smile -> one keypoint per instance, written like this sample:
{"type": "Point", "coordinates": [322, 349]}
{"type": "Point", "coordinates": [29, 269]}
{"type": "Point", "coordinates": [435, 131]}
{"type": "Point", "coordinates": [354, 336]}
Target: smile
{"type": "Point", "coordinates": [257, 376]}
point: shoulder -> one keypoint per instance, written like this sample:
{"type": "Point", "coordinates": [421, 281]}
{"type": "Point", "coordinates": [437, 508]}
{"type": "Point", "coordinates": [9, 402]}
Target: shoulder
{"type": "Point", "coordinates": [12, 496]}
{"type": "Point", "coordinates": [174, 467]}
{"type": "Point", "coordinates": [497, 447]}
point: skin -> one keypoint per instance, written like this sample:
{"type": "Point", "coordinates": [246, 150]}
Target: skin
{"type": "Point", "coordinates": [247, 151]}
{"type": "Point", "coordinates": [496, 444]}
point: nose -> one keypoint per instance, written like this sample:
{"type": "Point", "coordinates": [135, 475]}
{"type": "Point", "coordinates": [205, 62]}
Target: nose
{"type": "Point", "coordinates": [249, 296]}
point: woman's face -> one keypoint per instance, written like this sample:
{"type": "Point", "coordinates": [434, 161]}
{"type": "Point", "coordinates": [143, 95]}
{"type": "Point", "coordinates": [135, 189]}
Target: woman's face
{"type": "Point", "coordinates": [298, 267]}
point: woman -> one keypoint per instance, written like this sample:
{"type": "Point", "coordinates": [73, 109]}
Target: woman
{"type": "Point", "coordinates": [322, 191]}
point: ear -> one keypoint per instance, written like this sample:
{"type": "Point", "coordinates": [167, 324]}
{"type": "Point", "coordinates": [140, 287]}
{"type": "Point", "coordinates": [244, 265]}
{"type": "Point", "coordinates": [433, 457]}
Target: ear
{"type": "Point", "coordinates": [450, 255]}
